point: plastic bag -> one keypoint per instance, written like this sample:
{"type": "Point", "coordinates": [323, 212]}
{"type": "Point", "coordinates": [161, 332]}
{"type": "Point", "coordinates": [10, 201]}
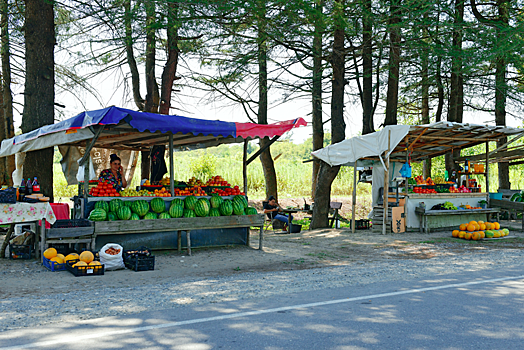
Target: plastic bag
{"type": "Point", "coordinates": [81, 170]}
{"type": "Point", "coordinates": [112, 262]}
{"type": "Point", "coordinates": [405, 171]}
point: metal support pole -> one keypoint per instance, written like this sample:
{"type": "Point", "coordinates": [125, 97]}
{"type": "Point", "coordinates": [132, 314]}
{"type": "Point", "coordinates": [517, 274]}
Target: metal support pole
{"type": "Point", "coordinates": [171, 166]}
{"type": "Point", "coordinates": [487, 171]}
{"type": "Point", "coordinates": [86, 181]}
{"type": "Point", "coordinates": [354, 199]}
{"type": "Point", "coordinates": [244, 166]}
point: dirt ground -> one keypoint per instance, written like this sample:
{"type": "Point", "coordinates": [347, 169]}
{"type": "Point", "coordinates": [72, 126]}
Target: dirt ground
{"type": "Point", "coordinates": [305, 250]}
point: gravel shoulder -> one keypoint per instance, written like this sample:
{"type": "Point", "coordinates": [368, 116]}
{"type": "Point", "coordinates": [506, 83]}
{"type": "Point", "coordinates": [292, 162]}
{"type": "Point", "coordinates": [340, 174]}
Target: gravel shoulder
{"type": "Point", "coordinates": [30, 295]}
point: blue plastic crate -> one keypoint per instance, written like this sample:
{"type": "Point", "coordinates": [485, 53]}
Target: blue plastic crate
{"type": "Point", "coordinates": [53, 266]}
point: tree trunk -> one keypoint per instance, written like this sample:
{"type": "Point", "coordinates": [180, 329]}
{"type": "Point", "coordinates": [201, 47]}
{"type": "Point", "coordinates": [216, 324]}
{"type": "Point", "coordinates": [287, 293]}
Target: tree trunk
{"type": "Point", "coordinates": [265, 157]}
{"type": "Point", "coordinates": [394, 63]}
{"type": "Point", "coordinates": [39, 95]}
{"type": "Point", "coordinates": [425, 94]}
{"type": "Point", "coordinates": [327, 173]}
{"type": "Point", "coordinates": [6, 87]}
{"type": "Point", "coordinates": [367, 69]}
{"type": "Point", "coordinates": [169, 73]}
{"type": "Point", "coordinates": [318, 126]}
{"type": "Point", "coordinates": [3, 163]}
{"type": "Point", "coordinates": [128, 41]}
{"type": "Point", "coordinates": [456, 94]}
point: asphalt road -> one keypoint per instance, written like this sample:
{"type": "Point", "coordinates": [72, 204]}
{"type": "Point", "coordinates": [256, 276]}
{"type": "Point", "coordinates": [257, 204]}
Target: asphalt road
{"type": "Point", "coordinates": [482, 310]}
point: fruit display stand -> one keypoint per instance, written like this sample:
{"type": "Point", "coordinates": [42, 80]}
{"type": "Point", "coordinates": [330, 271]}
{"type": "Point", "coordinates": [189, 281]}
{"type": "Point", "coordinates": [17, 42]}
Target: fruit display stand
{"type": "Point", "coordinates": [420, 217]}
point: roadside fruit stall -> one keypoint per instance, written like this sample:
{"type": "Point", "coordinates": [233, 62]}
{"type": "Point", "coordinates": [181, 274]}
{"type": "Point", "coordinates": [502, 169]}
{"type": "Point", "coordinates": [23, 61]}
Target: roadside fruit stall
{"type": "Point", "coordinates": [422, 203]}
{"type": "Point", "coordinates": [211, 213]}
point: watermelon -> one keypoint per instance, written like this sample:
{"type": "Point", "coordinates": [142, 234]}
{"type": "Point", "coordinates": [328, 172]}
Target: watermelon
{"type": "Point", "coordinates": [123, 213]}
{"type": "Point", "coordinates": [489, 234]}
{"type": "Point", "coordinates": [189, 202]}
{"type": "Point", "coordinates": [127, 203]}
{"type": "Point", "coordinates": [134, 216]}
{"type": "Point", "coordinates": [214, 212]}
{"type": "Point", "coordinates": [238, 207]}
{"type": "Point", "coordinates": [97, 215]}
{"type": "Point", "coordinates": [150, 216]}
{"type": "Point", "coordinates": [158, 205]}
{"type": "Point", "coordinates": [250, 211]}
{"type": "Point", "coordinates": [215, 201]}
{"type": "Point", "coordinates": [226, 208]}
{"type": "Point", "coordinates": [114, 204]}
{"type": "Point", "coordinates": [241, 200]}
{"type": "Point", "coordinates": [141, 207]}
{"type": "Point", "coordinates": [177, 201]}
{"type": "Point", "coordinates": [188, 213]}
{"type": "Point", "coordinates": [164, 215]}
{"type": "Point", "coordinates": [102, 205]}
{"type": "Point", "coordinates": [176, 211]}
{"type": "Point", "coordinates": [112, 216]}
{"type": "Point", "coordinates": [202, 207]}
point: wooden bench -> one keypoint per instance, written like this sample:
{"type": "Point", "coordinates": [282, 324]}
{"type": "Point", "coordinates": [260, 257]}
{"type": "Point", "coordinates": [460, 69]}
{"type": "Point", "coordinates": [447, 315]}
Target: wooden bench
{"type": "Point", "coordinates": [69, 235]}
{"type": "Point", "coordinates": [507, 193]}
{"type": "Point", "coordinates": [423, 214]}
{"type": "Point", "coordinates": [183, 224]}
{"type": "Point", "coordinates": [504, 204]}
{"type": "Point", "coordinates": [333, 207]}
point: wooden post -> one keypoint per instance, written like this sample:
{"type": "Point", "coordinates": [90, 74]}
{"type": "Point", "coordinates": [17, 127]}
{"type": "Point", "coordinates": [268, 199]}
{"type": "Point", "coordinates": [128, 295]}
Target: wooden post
{"type": "Point", "coordinates": [188, 238]}
{"type": "Point", "coordinates": [386, 187]}
{"type": "Point", "coordinates": [42, 241]}
{"type": "Point", "coordinates": [179, 241]}
{"type": "Point", "coordinates": [86, 183]}
{"type": "Point", "coordinates": [354, 199]}
{"type": "Point", "coordinates": [487, 171]}
{"type": "Point", "coordinates": [6, 240]}
{"type": "Point", "coordinates": [171, 166]}
{"type": "Point", "coordinates": [261, 238]}
{"type": "Point", "coordinates": [244, 166]}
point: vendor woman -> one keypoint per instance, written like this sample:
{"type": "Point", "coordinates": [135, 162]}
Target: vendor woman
{"type": "Point", "coordinates": [114, 175]}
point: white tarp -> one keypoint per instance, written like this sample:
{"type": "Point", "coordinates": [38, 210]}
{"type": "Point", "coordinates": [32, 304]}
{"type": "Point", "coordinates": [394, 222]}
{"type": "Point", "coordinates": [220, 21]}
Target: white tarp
{"type": "Point", "coordinates": [46, 141]}
{"type": "Point", "coordinates": [370, 145]}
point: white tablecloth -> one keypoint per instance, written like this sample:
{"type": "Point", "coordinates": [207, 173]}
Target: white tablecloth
{"type": "Point", "coordinates": [22, 212]}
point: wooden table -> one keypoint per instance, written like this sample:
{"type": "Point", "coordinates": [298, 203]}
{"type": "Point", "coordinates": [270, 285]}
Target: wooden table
{"type": "Point", "coordinates": [423, 214]}
{"type": "Point", "coordinates": [289, 212]}
{"type": "Point", "coordinates": [182, 224]}
{"type": "Point", "coordinates": [509, 206]}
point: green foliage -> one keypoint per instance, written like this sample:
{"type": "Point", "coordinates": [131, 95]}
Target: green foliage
{"type": "Point", "coordinates": [203, 166]}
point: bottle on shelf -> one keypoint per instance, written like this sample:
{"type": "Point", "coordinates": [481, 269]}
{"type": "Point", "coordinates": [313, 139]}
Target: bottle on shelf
{"type": "Point", "coordinates": [28, 187]}
{"type": "Point", "coordinates": [466, 167]}
{"type": "Point", "coordinates": [36, 186]}
{"type": "Point", "coordinates": [21, 190]}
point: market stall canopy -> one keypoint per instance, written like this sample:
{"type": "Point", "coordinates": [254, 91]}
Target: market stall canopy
{"type": "Point", "coordinates": [419, 141]}
{"type": "Point", "coordinates": [124, 129]}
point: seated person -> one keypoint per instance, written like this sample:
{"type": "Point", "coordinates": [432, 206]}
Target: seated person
{"type": "Point", "coordinates": [114, 175]}
{"type": "Point", "coordinates": [272, 209]}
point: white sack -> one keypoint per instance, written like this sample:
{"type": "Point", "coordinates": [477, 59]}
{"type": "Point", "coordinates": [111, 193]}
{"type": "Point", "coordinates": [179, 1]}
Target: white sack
{"type": "Point", "coordinates": [112, 262]}
{"type": "Point", "coordinates": [81, 172]}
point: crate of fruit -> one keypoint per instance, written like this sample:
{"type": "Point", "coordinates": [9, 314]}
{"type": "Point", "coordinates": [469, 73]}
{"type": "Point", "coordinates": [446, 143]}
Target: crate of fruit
{"type": "Point", "coordinates": [94, 268]}
{"type": "Point", "coordinates": [139, 259]}
{"type": "Point", "coordinates": [20, 251]}
{"type": "Point", "coordinates": [53, 265]}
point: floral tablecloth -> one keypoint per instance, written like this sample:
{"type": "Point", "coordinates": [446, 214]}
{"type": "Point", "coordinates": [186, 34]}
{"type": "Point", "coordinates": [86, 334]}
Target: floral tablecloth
{"type": "Point", "coordinates": [22, 212]}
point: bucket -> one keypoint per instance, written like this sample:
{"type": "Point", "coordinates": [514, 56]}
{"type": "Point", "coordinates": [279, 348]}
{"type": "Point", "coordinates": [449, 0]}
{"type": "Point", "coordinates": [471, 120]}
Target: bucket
{"type": "Point", "coordinates": [493, 195]}
{"type": "Point", "coordinates": [295, 228]}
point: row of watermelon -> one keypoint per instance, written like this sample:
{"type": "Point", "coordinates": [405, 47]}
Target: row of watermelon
{"type": "Point", "coordinates": [117, 209]}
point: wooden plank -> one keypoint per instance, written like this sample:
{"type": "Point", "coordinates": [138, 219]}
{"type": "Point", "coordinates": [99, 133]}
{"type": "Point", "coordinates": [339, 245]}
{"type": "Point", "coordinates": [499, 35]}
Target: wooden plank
{"type": "Point", "coordinates": [421, 211]}
{"type": "Point", "coordinates": [69, 232]}
{"type": "Point", "coordinates": [505, 204]}
{"type": "Point", "coordinates": [181, 224]}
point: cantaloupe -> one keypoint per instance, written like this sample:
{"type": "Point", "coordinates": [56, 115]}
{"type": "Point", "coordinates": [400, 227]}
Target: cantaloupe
{"type": "Point", "coordinates": [87, 256]}
{"type": "Point", "coordinates": [50, 253]}
{"type": "Point", "coordinates": [80, 263]}
{"type": "Point", "coordinates": [57, 260]}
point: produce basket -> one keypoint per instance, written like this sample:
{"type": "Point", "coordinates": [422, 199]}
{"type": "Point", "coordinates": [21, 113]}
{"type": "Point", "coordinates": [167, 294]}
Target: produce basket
{"type": "Point", "coordinates": [139, 259]}
{"type": "Point", "coordinates": [8, 196]}
{"type": "Point", "coordinates": [53, 266]}
{"type": "Point", "coordinates": [84, 270]}
{"type": "Point", "coordinates": [20, 251]}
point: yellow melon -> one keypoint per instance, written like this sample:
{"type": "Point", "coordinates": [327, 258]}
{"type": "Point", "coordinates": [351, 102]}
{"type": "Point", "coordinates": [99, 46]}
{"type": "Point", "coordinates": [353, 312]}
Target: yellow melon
{"type": "Point", "coordinates": [468, 235]}
{"type": "Point", "coordinates": [95, 263]}
{"type": "Point", "coordinates": [80, 263]}
{"type": "Point", "coordinates": [455, 233]}
{"type": "Point", "coordinates": [471, 227]}
{"type": "Point", "coordinates": [70, 257]}
{"type": "Point", "coordinates": [482, 234]}
{"type": "Point", "coordinates": [472, 222]}
{"type": "Point", "coordinates": [87, 256]}
{"type": "Point", "coordinates": [488, 226]}
{"type": "Point", "coordinates": [482, 226]}
{"type": "Point", "coordinates": [462, 234]}
{"type": "Point", "coordinates": [57, 260]}
{"type": "Point", "coordinates": [463, 227]}
{"type": "Point", "coordinates": [61, 256]}
{"type": "Point", "coordinates": [475, 236]}
{"type": "Point", "coordinates": [50, 253]}
{"type": "Point", "coordinates": [497, 225]}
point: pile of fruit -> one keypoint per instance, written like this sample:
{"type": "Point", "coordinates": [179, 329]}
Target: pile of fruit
{"type": "Point", "coordinates": [112, 251]}
{"type": "Point", "coordinates": [191, 206]}
{"type": "Point", "coordinates": [217, 181]}
{"type": "Point", "coordinates": [104, 189]}
{"type": "Point", "coordinates": [228, 191]}
{"type": "Point", "coordinates": [475, 230]}
{"type": "Point", "coordinates": [128, 192]}
{"type": "Point", "coordinates": [420, 181]}
{"type": "Point", "coordinates": [192, 182]}
{"type": "Point", "coordinates": [462, 189]}
{"type": "Point", "coordinates": [422, 190]}
{"type": "Point", "coordinates": [84, 259]}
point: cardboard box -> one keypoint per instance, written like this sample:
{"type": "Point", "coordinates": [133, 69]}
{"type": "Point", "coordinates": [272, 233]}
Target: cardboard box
{"type": "Point", "coordinates": [399, 220]}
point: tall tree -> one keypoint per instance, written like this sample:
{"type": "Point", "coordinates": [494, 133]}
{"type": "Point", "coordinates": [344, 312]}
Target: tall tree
{"type": "Point", "coordinates": [39, 94]}
{"type": "Point", "coordinates": [367, 67]}
{"type": "Point", "coordinates": [501, 24]}
{"type": "Point", "coordinates": [394, 62]}
{"type": "Point", "coordinates": [8, 163]}
{"type": "Point", "coordinates": [328, 173]}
